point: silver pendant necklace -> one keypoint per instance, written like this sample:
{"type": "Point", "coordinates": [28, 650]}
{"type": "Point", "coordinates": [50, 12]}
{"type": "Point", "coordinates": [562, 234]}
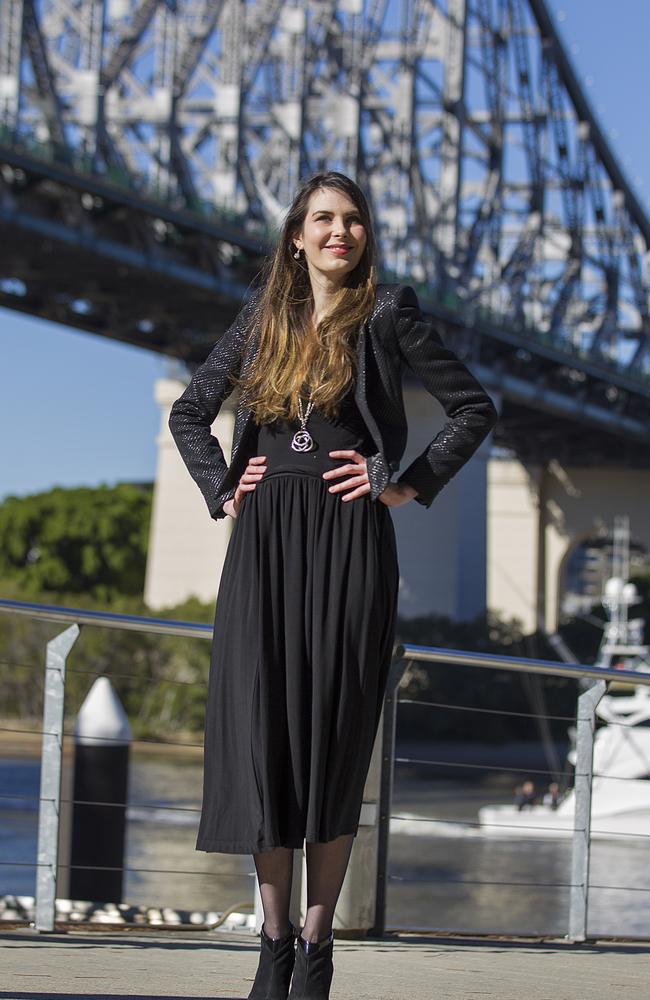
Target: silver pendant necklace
{"type": "Point", "coordinates": [302, 439]}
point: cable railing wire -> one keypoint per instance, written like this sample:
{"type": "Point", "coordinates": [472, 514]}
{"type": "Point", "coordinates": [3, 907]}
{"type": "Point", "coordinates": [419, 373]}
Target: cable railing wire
{"type": "Point", "coordinates": [99, 739]}
{"type": "Point", "coordinates": [506, 768]}
{"type": "Point", "coordinates": [485, 767]}
{"type": "Point", "coordinates": [110, 805]}
{"type": "Point", "coordinates": [28, 798]}
{"type": "Point", "coordinates": [490, 882]}
{"type": "Point", "coordinates": [478, 825]}
{"type": "Point", "coordinates": [134, 678]}
{"type": "Point", "coordinates": [512, 885]}
{"type": "Point", "coordinates": [127, 869]}
{"type": "Point", "coordinates": [107, 673]}
{"type": "Point", "coordinates": [475, 824]}
{"type": "Point", "coordinates": [26, 732]}
{"type": "Point", "coordinates": [21, 666]}
{"type": "Point", "coordinates": [485, 711]}
{"type": "Point", "coordinates": [507, 712]}
{"type": "Point", "coordinates": [140, 739]}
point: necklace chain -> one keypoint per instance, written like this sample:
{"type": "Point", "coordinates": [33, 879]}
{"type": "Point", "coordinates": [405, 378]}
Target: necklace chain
{"type": "Point", "coordinates": [302, 439]}
{"type": "Point", "coordinates": [304, 417]}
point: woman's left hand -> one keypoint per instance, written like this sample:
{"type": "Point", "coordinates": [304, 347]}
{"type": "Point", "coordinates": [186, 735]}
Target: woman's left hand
{"type": "Point", "coordinates": [394, 495]}
{"type": "Point", "coordinates": [357, 471]}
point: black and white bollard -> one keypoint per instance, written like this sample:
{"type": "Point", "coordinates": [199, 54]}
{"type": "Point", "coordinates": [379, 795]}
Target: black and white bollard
{"type": "Point", "coordinates": [101, 764]}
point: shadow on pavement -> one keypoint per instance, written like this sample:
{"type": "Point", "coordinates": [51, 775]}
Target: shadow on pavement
{"type": "Point", "coordinates": [38, 995]}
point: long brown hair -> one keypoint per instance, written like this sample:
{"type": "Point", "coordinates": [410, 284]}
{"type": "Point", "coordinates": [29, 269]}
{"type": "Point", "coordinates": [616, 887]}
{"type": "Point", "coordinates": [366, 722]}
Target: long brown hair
{"type": "Point", "coordinates": [290, 351]}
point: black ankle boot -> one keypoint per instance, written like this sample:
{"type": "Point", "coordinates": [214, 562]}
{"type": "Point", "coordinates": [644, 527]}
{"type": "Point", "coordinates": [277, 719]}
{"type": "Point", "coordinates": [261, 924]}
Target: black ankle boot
{"type": "Point", "coordinates": [314, 968]}
{"type": "Point", "coordinates": [277, 957]}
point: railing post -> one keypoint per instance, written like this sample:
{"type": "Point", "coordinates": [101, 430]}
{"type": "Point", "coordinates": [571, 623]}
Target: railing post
{"type": "Point", "coordinates": [50, 794]}
{"type": "Point", "coordinates": [584, 765]}
{"type": "Point", "coordinates": [397, 668]}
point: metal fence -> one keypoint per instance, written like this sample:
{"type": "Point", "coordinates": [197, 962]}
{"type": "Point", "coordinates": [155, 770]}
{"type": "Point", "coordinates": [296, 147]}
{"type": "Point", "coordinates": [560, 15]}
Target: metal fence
{"type": "Point", "coordinates": [593, 682]}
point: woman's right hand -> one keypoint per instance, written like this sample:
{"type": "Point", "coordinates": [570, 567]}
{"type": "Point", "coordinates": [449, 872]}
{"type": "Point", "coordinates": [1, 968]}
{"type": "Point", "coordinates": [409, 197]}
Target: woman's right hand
{"type": "Point", "coordinates": [248, 481]}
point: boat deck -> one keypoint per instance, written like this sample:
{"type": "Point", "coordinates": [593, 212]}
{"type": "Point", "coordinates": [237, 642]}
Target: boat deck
{"type": "Point", "coordinates": [221, 966]}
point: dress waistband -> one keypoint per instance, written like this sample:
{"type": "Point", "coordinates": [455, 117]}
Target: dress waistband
{"type": "Point", "coordinates": [293, 471]}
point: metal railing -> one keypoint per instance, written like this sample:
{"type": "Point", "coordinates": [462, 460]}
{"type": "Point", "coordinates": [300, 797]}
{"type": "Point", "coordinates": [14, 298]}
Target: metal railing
{"type": "Point", "coordinates": [593, 680]}
{"type": "Point", "coordinates": [50, 800]}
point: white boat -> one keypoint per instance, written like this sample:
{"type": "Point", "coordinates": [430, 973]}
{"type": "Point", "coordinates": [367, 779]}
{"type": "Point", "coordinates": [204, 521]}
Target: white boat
{"type": "Point", "coordinates": [621, 787]}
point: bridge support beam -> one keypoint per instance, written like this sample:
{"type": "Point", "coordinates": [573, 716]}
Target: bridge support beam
{"type": "Point", "coordinates": [443, 549]}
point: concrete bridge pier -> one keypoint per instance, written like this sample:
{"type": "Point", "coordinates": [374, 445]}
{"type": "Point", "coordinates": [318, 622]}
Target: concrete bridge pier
{"type": "Point", "coordinates": [443, 548]}
{"type": "Point", "coordinates": [538, 515]}
{"type": "Point", "coordinates": [186, 546]}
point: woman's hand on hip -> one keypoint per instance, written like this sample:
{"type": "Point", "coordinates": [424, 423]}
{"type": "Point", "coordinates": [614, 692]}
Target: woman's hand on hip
{"type": "Point", "coordinates": [394, 494]}
{"type": "Point", "coordinates": [356, 470]}
{"type": "Point", "coordinates": [247, 482]}
{"type": "Point", "coordinates": [397, 494]}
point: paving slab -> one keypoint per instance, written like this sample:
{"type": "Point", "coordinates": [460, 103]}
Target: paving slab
{"type": "Point", "coordinates": [196, 966]}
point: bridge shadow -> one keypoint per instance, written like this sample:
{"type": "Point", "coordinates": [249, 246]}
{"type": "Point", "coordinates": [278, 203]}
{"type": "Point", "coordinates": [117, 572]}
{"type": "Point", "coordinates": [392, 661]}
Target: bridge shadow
{"type": "Point", "coordinates": [98, 940]}
{"type": "Point", "coordinates": [39, 995]}
{"type": "Point", "coordinates": [539, 945]}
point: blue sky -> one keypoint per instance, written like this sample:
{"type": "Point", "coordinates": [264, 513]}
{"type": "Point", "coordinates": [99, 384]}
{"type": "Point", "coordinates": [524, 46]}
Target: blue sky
{"type": "Point", "coordinates": [79, 410]}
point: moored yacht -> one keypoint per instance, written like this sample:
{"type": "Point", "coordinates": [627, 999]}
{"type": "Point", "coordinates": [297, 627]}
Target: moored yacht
{"type": "Point", "coordinates": [621, 786]}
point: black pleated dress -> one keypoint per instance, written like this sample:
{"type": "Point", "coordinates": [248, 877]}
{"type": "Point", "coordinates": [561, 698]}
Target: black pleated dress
{"type": "Point", "coordinates": [303, 636]}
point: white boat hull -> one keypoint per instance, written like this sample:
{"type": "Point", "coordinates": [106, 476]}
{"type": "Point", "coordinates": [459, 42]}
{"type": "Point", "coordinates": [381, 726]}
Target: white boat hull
{"type": "Point", "coordinates": [542, 821]}
{"type": "Point", "coordinates": [620, 802]}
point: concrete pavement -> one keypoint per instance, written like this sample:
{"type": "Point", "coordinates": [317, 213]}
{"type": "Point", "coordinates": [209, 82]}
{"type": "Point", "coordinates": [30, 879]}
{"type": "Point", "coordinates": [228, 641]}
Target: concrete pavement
{"type": "Point", "coordinates": [221, 966]}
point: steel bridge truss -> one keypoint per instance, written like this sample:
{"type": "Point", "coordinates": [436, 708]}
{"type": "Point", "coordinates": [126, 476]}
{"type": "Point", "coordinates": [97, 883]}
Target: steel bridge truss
{"type": "Point", "coordinates": [491, 182]}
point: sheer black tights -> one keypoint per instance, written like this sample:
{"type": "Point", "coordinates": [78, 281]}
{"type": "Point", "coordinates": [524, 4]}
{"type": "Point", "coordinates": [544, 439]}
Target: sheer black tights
{"type": "Point", "coordinates": [326, 867]}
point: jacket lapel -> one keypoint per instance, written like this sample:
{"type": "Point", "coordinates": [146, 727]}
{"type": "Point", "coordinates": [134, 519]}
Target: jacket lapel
{"type": "Point", "coordinates": [360, 393]}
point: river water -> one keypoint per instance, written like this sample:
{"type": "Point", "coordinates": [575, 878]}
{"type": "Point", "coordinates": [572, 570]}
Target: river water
{"type": "Point", "coordinates": [445, 875]}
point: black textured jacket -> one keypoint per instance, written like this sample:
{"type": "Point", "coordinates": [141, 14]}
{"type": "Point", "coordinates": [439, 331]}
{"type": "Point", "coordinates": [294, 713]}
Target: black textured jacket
{"type": "Point", "coordinates": [395, 333]}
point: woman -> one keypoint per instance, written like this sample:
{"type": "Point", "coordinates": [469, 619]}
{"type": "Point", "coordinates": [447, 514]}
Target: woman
{"type": "Point", "coordinates": [305, 617]}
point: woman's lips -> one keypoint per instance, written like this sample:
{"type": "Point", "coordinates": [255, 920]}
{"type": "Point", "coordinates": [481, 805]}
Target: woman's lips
{"type": "Point", "coordinates": [339, 250]}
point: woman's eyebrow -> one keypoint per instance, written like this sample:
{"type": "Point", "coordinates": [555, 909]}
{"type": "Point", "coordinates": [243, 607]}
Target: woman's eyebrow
{"type": "Point", "coordinates": [326, 211]}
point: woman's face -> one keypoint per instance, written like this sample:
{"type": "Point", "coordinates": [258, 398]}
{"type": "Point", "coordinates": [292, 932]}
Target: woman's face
{"type": "Point", "coordinates": [332, 221]}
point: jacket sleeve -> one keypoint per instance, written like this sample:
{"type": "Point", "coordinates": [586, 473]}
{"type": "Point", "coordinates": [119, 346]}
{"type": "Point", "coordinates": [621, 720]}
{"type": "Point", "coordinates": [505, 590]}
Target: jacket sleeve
{"type": "Point", "coordinates": [470, 410]}
{"type": "Point", "coordinates": [193, 413]}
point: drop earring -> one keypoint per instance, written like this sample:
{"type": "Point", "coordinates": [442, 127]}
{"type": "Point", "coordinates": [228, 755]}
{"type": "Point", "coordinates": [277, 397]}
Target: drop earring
{"type": "Point", "coordinates": [297, 253]}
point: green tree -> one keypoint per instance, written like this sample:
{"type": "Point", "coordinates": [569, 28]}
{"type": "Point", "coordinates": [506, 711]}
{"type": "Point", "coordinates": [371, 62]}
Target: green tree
{"type": "Point", "coordinates": [90, 541]}
{"type": "Point", "coordinates": [161, 680]}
